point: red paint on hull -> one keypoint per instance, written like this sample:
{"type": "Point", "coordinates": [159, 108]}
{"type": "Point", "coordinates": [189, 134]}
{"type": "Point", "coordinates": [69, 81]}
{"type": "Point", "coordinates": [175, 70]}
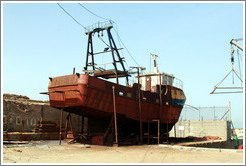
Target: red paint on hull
{"type": "Point", "coordinates": [86, 95]}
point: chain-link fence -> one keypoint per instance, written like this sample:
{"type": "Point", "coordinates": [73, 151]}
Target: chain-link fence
{"type": "Point", "coordinates": [204, 113]}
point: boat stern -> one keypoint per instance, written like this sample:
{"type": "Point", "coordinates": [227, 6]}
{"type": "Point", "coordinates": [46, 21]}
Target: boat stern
{"type": "Point", "coordinates": [68, 90]}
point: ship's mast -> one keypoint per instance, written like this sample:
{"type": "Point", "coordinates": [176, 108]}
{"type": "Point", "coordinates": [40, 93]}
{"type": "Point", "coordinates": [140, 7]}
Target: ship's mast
{"type": "Point", "coordinates": [117, 60]}
{"type": "Point", "coordinates": [155, 65]}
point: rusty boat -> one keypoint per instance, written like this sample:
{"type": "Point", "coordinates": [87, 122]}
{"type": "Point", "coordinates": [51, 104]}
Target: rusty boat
{"type": "Point", "coordinates": [113, 113]}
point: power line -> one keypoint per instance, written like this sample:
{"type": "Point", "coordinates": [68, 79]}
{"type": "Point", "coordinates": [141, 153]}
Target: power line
{"type": "Point", "coordinates": [71, 16]}
{"type": "Point", "coordinates": [93, 13]}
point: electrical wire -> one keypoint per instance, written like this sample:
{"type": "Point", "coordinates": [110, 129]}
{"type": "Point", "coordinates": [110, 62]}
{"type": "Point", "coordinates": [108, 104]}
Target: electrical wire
{"type": "Point", "coordinates": [71, 16]}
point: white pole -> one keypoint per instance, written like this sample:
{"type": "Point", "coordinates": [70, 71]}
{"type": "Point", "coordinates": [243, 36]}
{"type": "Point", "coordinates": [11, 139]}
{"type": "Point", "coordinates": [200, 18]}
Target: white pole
{"type": "Point", "coordinates": [230, 111]}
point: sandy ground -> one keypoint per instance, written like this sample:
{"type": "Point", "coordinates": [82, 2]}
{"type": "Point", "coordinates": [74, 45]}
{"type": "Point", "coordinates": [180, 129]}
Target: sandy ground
{"type": "Point", "coordinates": [51, 152]}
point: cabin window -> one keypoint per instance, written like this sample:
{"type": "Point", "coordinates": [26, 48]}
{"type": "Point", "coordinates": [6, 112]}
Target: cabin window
{"type": "Point", "coordinates": [175, 92]}
{"type": "Point", "coordinates": [157, 101]}
{"type": "Point", "coordinates": [121, 93]}
{"type": "Point", "coordinates": [181, 93]}
{"type": "Point", "coordinates": [129, 95]}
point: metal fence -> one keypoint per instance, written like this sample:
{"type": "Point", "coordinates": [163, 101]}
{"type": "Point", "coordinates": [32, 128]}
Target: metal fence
{"type": "Point", "coordinates": [204, 113]}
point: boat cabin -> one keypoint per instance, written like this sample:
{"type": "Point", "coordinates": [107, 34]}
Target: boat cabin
{"type": "Point", "coordinates": [151, 81]}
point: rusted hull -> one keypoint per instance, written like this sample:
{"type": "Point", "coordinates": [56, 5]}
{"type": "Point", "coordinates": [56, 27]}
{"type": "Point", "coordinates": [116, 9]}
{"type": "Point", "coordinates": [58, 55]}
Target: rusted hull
{"type": "Point", "coordinates": [89, 96]}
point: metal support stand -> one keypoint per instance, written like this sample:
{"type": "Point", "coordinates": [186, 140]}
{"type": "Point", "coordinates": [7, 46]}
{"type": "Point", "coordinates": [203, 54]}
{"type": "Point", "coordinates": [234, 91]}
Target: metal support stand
{"type": "Point", "coordinates": [140, 109]}
{"type": "Point", "coordinates": [174, 127]}
{"type": "Point", "coordinates": [232, 88]}
{"type": "Point", "coordinates": [230, 111]}
{"type": "Point", "coordinates": [82, 125]}
{"type": "Point", "coordinates": [115, 120]}
{"type": "Point", "coordinates": [158, 132]}
{"type": "Point", "coordinates": [90, 53]}
{"type": "Point", "coordinates": [109, 126]}
{"type": "Point", "coordinates": [148, 131]}
{"type": "Point", "coordinates": [167, 125]}
{"type": "Point", "coordinates": [115, 50]}
{"type": "Point", "coordinates": [60, 136]}
{"type": "Point", "coordinates": [160, 110]}
{"type": "Point", "coordinates": [68, 121]}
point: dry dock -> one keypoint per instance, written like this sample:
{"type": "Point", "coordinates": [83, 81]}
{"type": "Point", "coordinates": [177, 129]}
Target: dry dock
{"type": "Point", "coordinates": [51, 152]}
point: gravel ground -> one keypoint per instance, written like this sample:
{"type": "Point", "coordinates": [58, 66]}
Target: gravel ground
{"type": "Point", "coordinates": [51, 152]}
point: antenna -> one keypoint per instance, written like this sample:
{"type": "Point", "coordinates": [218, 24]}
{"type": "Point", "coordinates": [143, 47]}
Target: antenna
{"type": "Point", "coordinates": [155, 65]}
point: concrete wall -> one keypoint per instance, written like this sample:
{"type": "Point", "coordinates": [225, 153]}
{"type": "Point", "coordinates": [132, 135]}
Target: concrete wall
{"type": "Point", "coordinates": [196, 128]}
{"type": "Point", "coordinates": [24, 115]}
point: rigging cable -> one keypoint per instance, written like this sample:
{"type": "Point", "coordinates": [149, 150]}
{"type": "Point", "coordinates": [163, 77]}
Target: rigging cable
{"type": "Point", "coordinates": [71, 16]}
{"type": "Point", "coordinates": [93, 13]}
{"type": "Point", "coordinates": [114, 30]}
{"type": "Point", "coordinates": [126, 48]}
{"type": "Point", "coordinates": [239, 62]}
{"type": "Point", "coordinates": [103, 41]}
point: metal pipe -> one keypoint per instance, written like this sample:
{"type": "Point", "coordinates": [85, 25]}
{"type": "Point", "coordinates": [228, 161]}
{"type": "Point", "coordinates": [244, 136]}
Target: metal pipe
{"type": "Point", "coordinates": [61, 126]}
{"type": "Point", "coordinates": [66, 124]}
{"type": "Point", "coordinates": [74, 70]}
{"type": "Point", "coordinates": [148, 131]}
{"type": "Point", "coordinates": [140, 108]}
{"type": "Point", "coordinates": [158, 131]}
{"type": "Point", "coordinates": [160, 110]}
{"type": "Point", "coordinates": [228, 92]}
{"type": "Point", "coordinates": [234, 42]}
{"type": "Point", "coordinates": [229, 87]}
{"type": "Point", "coordinates": [115, 121]}
{"type": "Point", "coordinates": [112, 52]}
{"type": "Point", "coordinates": [230, 111]}
{"type": "Point", "coordinates": [174, 127]}
{"type": "Point", "coordinates": [82, 125]}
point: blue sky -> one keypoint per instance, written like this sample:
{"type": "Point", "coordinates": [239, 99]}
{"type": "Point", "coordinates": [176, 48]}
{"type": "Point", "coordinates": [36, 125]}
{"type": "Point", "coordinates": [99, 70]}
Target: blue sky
{"type": "Point", "coordinates": [191, 39]}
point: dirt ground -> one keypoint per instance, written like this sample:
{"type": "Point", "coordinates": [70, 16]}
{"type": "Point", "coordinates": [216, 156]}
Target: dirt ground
{"type": "Point", "coordinates": [51, 152]}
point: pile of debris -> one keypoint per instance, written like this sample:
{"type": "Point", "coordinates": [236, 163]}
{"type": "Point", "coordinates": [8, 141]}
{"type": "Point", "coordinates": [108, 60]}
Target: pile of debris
{"type": "Point", "coordinates": [46, 126]}
{"type": "Point", "coordinates": [22, 99]}
{"type": "Point", "coordinates": [14, 97]}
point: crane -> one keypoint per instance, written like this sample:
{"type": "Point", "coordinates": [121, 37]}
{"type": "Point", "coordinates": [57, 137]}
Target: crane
{"type": "Point", "coordinates": [233, 42]}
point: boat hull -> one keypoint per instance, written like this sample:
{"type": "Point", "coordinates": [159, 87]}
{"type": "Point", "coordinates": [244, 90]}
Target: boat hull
{"type": "Point", "coordinates": [89, 96]}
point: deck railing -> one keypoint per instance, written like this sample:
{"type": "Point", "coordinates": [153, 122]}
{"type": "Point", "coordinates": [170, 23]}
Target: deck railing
{"type": "Point", "coordinates": [99, 25]}
{"type": "Point", "coordinates": [178, 83]}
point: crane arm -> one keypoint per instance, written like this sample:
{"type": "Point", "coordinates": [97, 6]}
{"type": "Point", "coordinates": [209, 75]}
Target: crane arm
{"type": "Point", "coordinates": [234, 42]}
